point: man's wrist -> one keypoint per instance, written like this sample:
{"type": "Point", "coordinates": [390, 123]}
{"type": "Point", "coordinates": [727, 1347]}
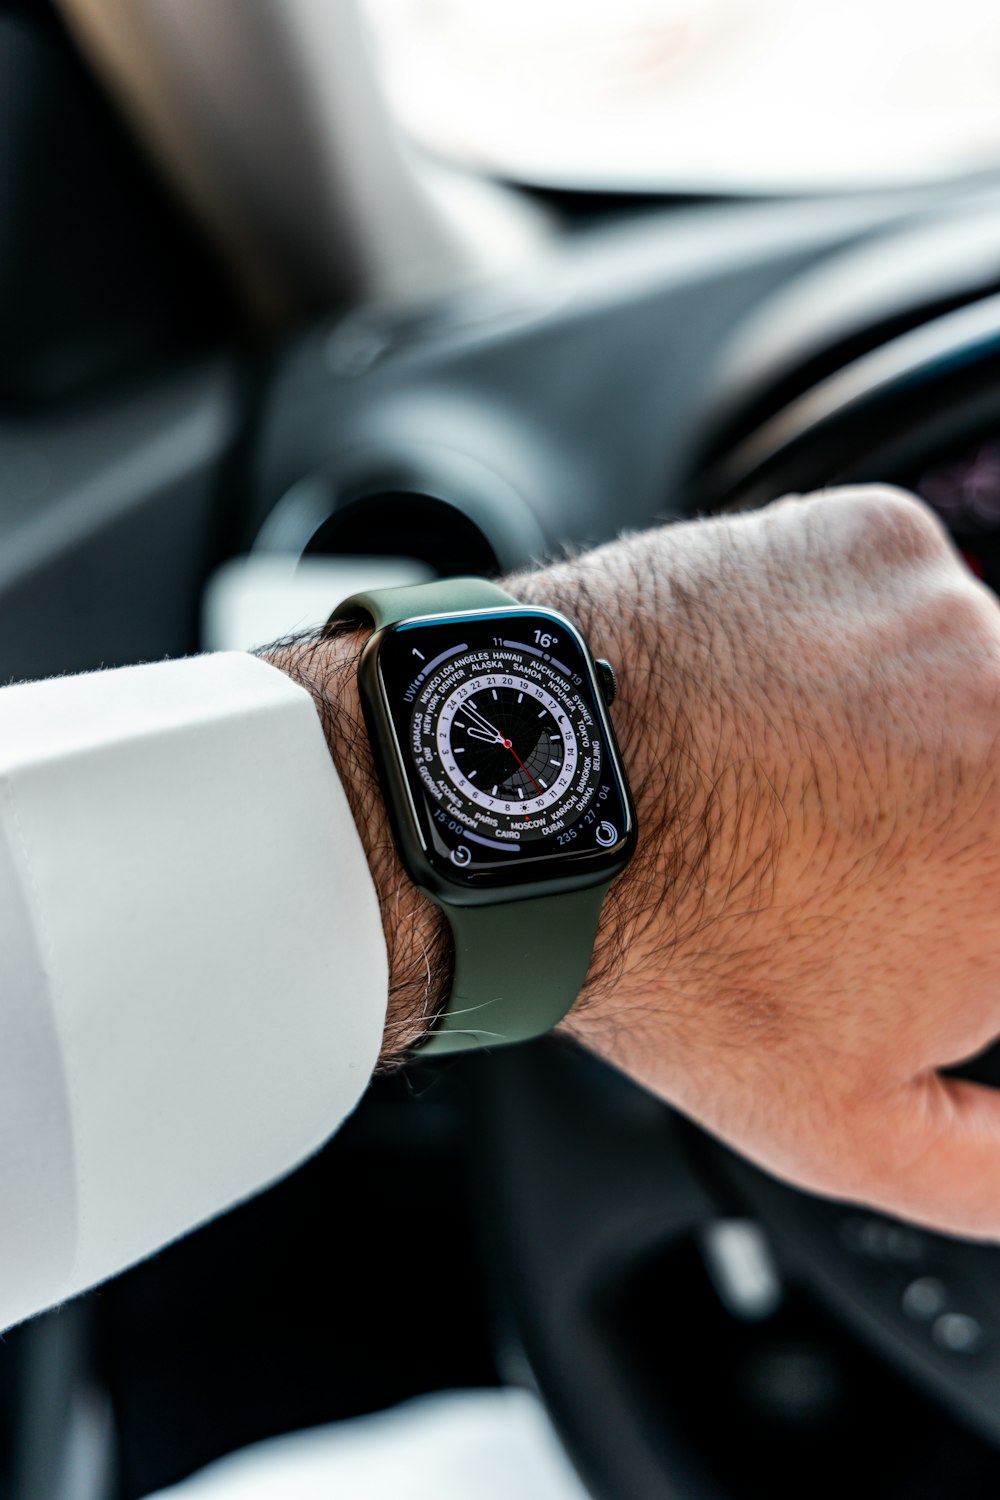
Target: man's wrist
{"type": "Point", "coordinates": [418, 941]}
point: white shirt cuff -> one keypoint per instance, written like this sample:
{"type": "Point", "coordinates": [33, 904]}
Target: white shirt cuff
{"type": "Point", "coordinates": [191, 953]}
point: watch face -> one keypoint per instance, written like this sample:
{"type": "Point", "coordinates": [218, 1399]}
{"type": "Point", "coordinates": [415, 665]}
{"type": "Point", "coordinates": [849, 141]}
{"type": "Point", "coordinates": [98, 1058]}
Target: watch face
{"type": "Point", "coordinates": [505, 747]}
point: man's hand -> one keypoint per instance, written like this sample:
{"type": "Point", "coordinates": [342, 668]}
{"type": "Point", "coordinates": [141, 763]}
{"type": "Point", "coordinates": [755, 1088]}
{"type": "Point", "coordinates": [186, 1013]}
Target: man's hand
{"type": "Point", "coordinates": [810, 932]}
{"type": "Point", "coordinates": [809, 712]}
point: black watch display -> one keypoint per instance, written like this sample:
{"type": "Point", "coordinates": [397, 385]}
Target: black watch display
{"type": "Point", "coordinates": [499, 729]}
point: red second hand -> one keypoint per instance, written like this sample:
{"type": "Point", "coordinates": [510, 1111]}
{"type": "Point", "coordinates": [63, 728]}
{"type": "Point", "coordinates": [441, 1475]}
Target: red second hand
{"type": "Point", "coordinates": [534, 783]}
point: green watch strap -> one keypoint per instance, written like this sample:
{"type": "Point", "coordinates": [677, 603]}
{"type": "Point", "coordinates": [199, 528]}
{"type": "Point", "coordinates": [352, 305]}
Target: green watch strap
{"type": "Point", "coordinates": [448, 596]}
{"type": "Point", "coordinates": [519, 965]}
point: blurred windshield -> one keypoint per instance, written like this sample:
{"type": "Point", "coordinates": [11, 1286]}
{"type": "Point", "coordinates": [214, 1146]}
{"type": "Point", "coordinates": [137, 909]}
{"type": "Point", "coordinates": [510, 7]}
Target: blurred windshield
{"type": "Point", "coordinates": [704, 95]}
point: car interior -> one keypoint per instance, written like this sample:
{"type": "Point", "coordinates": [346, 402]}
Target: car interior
{"type": "Point", "coordinates": [255, 350]}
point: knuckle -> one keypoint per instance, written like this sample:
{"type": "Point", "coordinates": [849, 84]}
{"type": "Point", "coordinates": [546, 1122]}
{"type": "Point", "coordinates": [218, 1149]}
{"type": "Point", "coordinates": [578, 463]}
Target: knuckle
{"type": "Point", "coordinates": [963, 616]}
{"type": "Point", "coordinates": [878, 524]}
{"type": "Point", "coordinates": [892, 525]}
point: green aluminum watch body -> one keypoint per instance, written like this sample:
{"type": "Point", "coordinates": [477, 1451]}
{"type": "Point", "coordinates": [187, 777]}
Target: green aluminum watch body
{"type": "Point", "coordinates": [524, 932]}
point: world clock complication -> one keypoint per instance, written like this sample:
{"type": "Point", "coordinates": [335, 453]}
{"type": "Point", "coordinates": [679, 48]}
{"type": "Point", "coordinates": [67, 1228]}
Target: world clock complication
{"type": "Point", "coordinates": [504, 742]}
{"type": "Point", "coordinates": [507, 744]}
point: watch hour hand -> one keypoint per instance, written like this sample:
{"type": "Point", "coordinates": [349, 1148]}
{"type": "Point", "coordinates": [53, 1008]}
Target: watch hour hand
{"type": "Point", "coordinates": [480, 723]}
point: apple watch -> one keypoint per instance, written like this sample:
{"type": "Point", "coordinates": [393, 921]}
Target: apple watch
{"type": "Point", "coordinates": [506, 796]}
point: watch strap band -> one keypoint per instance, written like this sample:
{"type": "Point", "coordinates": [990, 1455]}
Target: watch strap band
{"type": "Point", "coordinates": [447, 596]}
{"type": "Point", "coordinates": [519, 965]}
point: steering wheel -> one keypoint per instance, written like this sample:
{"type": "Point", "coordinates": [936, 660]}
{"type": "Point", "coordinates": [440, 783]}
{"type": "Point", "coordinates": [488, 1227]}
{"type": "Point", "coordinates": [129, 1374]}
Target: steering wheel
{"type": "Point", "coordinates": [590, 1185]}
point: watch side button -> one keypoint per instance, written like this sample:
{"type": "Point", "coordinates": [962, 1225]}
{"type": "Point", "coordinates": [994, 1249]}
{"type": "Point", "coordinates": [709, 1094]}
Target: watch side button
{"type": "Point", "coordinates": [606, 677]}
